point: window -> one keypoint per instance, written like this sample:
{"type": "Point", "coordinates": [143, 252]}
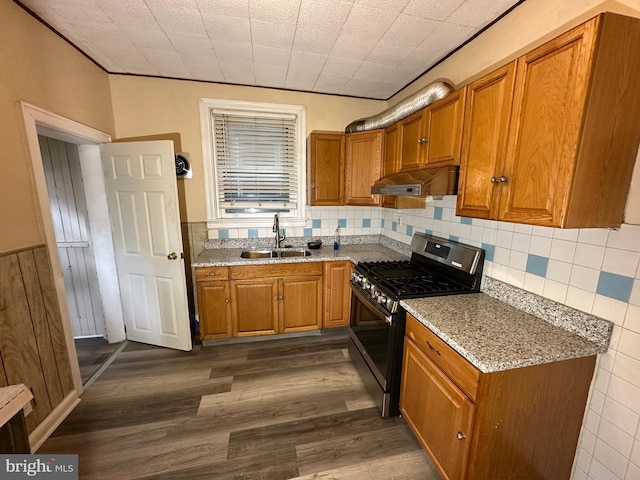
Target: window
{"type": "Point", "coordinates": [254, 162]}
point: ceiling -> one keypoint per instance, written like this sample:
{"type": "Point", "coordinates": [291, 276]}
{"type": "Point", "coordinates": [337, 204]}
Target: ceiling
{"type": "Point", "coordinates": [360, 48]}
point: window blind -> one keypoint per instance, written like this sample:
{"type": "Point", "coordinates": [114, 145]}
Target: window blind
{"type": "Point", "coordinates": [256, 162]}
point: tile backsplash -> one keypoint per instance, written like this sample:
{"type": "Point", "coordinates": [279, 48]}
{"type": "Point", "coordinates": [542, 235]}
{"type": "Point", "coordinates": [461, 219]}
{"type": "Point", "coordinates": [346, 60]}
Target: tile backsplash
{"type": "Point", "coordinates": [593, 270]}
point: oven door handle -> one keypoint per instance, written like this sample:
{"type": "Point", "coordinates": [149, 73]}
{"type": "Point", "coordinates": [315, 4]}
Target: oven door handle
{"type": "Point", "coordinates": [367, 300]}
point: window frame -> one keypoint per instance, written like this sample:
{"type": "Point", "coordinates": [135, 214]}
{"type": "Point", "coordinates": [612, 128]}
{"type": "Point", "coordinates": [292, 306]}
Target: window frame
{"type": "Point", "coordinates": [214, 220]}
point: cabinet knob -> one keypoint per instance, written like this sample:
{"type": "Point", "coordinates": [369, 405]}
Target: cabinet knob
{"type": "Point", "coordinates": [504, 179]}
{"type": "Point", "coordinates": [226, 300]}
{"type": "Point", "coordinates": [461, 436]}
{"type": "Point", "coordinates": [422, 140]}
{"type": "Point", "coordinates": [494, 180]}
{"type": "Point", "coordinates": [276, 298]}
{"type": "Point", "coordinates": [313, 185]}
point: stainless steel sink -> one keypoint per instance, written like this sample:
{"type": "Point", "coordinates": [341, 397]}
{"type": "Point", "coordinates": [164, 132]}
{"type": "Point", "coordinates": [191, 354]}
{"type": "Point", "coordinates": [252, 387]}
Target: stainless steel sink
{"type": "Point", "coordinates": [259, 254]}
{"type": "Point", "coordinates": [274, 253]}
{"type": "Point", "coordinates": [294, 253]}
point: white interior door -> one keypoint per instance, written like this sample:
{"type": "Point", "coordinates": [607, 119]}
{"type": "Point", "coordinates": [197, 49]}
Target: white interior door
{"type": "Point", "coordinates": [142, 195]}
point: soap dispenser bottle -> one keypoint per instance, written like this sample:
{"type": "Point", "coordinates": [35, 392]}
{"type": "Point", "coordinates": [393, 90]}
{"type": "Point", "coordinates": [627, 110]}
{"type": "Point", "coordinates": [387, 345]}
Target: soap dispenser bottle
{"type": "Point", "coordinates": [336, 239]}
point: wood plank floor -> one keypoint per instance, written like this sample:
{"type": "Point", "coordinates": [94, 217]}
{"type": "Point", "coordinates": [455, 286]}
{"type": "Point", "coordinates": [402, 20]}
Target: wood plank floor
{"type": "Point", "coordinates": [279, 409]}
{"type": "Point", "coordinates": [92, 353]}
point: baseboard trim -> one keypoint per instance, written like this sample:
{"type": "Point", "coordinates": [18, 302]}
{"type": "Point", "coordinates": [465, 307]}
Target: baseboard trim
{"type": "Point", "coordinates": [43, 431]}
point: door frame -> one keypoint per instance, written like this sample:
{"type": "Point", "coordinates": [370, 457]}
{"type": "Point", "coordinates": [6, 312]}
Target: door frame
{"type": "Point", "coordinates": [38, 121]}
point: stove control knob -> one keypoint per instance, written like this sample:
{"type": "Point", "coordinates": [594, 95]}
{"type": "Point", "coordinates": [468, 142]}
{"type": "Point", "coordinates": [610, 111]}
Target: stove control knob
{"type": "Point", "coordinates": [382, 299]}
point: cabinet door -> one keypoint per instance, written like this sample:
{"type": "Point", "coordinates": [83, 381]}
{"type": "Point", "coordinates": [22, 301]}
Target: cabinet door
{"type": "Point", "coordinates": [363, 167]}
{"type": "Point", "coordinates": [444, 130]}
{"type": "Point", "coordinates": [412, 128]}
{"type": "Point", "coordinates": [550, 90]}
{"type": "Point", "coordinates": [214, 310]}
{"type": "Point", "coordinates": [337, 294]}
{"type": "Point", "coordinates": [391, 159]}
{"type": "Point", "coordinates": [484, 144]}
{"type": "Point", "coordinates": [440, 415]}
{"type": "Point", "coordinates": [326, 169]}
{"type": "Point", "coordinates": [254, 307]}
{"type": "Point", "coordinates": [300, 303]}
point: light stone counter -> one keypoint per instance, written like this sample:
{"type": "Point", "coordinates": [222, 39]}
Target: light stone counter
{"type": "Point", "coordinates": [373, 252]}
{"type": "Point", "coordinates": [495, 336]}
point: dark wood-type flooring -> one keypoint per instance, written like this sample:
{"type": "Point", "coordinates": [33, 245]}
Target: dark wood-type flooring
{"type": "Point", "coordinates": [277, 409]}
{"type": "Point", "coordinates": [92, 353]}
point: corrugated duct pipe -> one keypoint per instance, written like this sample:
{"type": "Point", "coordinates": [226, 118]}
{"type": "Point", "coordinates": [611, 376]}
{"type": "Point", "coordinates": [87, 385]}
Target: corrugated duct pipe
{"type": "Point", "coordinates": [432, 93]}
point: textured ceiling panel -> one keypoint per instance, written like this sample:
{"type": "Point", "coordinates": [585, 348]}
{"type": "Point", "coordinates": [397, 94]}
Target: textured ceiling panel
{"type": "Point", "coordinates": [361, 48]}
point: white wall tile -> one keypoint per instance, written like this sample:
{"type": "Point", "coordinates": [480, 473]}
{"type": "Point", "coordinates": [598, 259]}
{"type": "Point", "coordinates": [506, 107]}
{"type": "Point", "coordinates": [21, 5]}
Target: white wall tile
{"type": "Point", "coordinates": [615, 438]}
{"type": "Point", "coordinates": [597, 471]}
{"type": "Point", "coordinates": [562, 250]}
{"type": "Point", "coordinates": [621, 416]}
{"type": "Point", "coordinates": [490, 236]}
{"type": "Point", "coordinates": [593, 236]}
{"type": "Point", "coordinates": [580, 299]}
{"type": "Point", "coordinates": [633, 472]}
{"type": "Point", "coordinates": [626, 238]}
{"type": "Point", "coordinates": [622, 262]}
{"type": "Point", "coordinates": [629, 344]}
{"type": "Point", "coordinates": [518, 260]}
{"type": "Point", "coordinates": [635, 452]}
{"type": "Point", "coordinates": [542, 231]}
{"type": "Point", "coordinates": [589, 255]}
{"type": "Point", "coordinates": [504, 239]}
{"type": "Point", "coordinates": [635, 292]}
{"type": "Point", "coordinates": [624, 392]}
{"type": "Point", "coordinates": [610, 458]}
{"type": "Point", "coordinates": [555, 291]}
{"type": "Point", "coordinates": [540, 246]}
{"type": "Point", "coordinates": [515, 277]}
{"type": "Point", "coordinates": [566, 234]}
{"type": "Point", "coordinates": [632, 318]}
{"type": "Point", "coordinates": [521, 242]}
{"type": "Point", "coordinates": [609, 309]}
{"type": "Point", "coordinates": [559, 271]}
{"type": "Point", "coordinates": [534, 283]}
{"type": "Point", "coordinates": [501, 256]}
{"type": "Point", "coordinates": [584, 278]}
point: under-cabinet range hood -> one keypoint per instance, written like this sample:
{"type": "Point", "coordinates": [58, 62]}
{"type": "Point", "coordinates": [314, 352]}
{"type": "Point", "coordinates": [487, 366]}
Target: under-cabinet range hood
{"type": "Point", "coordinates": [435, 181]}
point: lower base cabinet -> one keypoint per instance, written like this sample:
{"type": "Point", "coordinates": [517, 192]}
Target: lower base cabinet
{"type": "Point", "coordinates": [250, 300]}
{"type": "Point", "coordinates": [522, 423]}
{"type": "Point", "coordinates": [337, 294]}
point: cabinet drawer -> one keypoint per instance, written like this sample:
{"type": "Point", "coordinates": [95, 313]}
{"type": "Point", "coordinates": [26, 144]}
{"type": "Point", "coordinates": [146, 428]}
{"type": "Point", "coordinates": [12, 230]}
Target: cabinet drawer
{"type": "Point", "coordinates": [206, 274]}
{"type": "Point", "coordinates": [276, 270]}
{"type": "Point", "coordinates": [458, 369]}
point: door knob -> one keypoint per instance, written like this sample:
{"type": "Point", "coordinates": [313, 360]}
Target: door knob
{"type": "Point", "coordinates": [172, 256]}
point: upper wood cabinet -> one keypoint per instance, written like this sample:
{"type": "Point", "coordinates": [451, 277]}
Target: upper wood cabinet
{"type": "Point", "coordinates": [391, 159]}
{"type": "Point", "coordinates": [432, 136]}
{"type": "Point", "coordinates": [570, 148]}
{"type": "Point", "coordinates": [363, 166]}
{"type": "Point", "coordinates": [325, 168]}
{"type": "Point", "coordinates": [484, 144]}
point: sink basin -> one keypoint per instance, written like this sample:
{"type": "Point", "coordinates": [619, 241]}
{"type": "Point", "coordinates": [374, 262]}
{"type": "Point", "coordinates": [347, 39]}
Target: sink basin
{"type": "Point", "coordinates": [294, 253]}
{"type": "Point", "coordinates": [259, 254]}
{"type": "Point", "coordinates": [274, 253]}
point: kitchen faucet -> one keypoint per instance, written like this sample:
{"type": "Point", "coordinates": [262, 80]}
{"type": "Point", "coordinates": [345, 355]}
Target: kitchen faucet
{"type": "Point", "coordinates": [276, 229]}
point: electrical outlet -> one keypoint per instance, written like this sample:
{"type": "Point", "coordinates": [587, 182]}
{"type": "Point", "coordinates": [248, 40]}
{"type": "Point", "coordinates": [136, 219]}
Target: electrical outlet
{"type": "Point", "coordinates": [399, 220]}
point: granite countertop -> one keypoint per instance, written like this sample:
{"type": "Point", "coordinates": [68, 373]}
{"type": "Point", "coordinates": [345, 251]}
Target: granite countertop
{"type": "Point", "coordinates": [496, 336]}
{"type": "Point", "coordinates": [371, 252]}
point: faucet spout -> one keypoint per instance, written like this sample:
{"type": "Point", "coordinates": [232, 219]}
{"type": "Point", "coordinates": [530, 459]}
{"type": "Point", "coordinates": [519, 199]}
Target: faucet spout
{"type": "Point", "coordinates": [276, 230]}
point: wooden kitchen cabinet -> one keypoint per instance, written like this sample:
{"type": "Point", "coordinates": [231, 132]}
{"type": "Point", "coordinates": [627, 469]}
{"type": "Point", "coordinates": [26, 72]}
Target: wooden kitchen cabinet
{"type": "Point", "coordinates": [276, 298]}
{"type": "Point", "coordinates": [325, 168]}
{"type": "Point", "coordinates": [214, 302]}
{"type": "Point", "coordinates": [391, 159]}
{"type": "Point", "coordinates": [518, 423]}
{"type": "Point", "coordinates": [363, 166]}
{"type": "Point", "coordinates": [337, 294]}
{"type": "Point", "coordinates": [432, 136]}
{"type": "Point", "coordinates": [484, 144]}
{"type": "Point", "coordinates": [570, 151]}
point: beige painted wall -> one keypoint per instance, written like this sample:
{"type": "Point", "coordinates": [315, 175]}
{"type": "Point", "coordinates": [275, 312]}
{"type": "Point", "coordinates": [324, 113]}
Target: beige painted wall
{"type": "Point", "coordinates": [529, 25]}
{"type": "Point", "coordinates": [147, 106]}
{"type": "Point", "coordinates": [40, 68]}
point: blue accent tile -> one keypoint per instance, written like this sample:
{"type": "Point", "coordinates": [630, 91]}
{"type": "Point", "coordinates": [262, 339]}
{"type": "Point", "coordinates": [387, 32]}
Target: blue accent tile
{"type": "Point", "coordinates": [437, 213]}
{"type": "Point", "coordinates": [537, 265]}
{"type": "Point", "coordinates": [490, 251]}
{"type": "Point", "coordinates": [342, 222]}
{"type": "Point", "coordinates": [428, 232]}
{"type": "Point", "coordinates": [455, 238]}
{"type": "Point", "coordinates": [382, 223]}
{"type": "Point", "coordinates": [394, 226]}
{"type": "Point", "coordinates": [410, 230]}
{"type": "Point", "coordinates": [253, 233]}
{"type": "Point", "coordinates": [307, 232]}
{"type": "Point", "coordinates": [366, 222]}
{"type": "Point", "coordinates": [615, 286]}
{"type": "Point", "coordinates": [223, 233]}
{"type": "Point", "coordinates": [316, 223]}
{"type": "Point", "coordinates": [465, 221]}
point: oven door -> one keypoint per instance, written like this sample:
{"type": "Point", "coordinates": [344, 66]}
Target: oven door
{"type": "Point", "coordinates": [373, 331]}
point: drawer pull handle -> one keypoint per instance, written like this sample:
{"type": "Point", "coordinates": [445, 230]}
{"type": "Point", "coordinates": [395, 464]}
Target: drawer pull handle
{"type": "Point", "coordinates": [211, 274]}
{"type": "Point", "coordinates": [461, 436]}
{"type": "Point", "coordinates": [433, 349]}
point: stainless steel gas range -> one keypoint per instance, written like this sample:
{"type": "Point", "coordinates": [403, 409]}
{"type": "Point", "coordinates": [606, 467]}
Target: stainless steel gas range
{"type": "Point", "coordinates": [376, 332]}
